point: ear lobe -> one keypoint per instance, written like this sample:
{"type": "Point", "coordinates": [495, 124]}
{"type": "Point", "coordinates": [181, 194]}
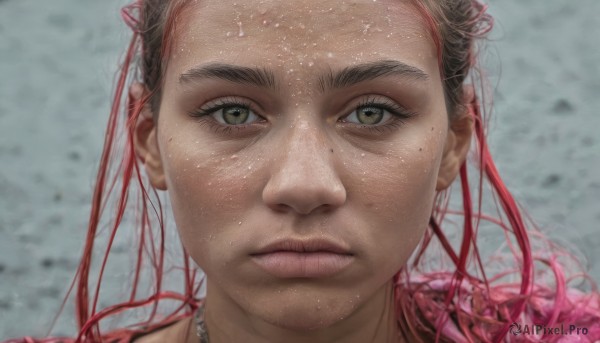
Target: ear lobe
{"type": "Point", "coordinates": [145, 137]}
{"type": "Point", "coordinates": [457, 146]}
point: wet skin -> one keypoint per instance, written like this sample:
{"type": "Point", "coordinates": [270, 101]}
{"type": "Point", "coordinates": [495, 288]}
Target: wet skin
{"type": "Point", "coordinates": [300, 153]}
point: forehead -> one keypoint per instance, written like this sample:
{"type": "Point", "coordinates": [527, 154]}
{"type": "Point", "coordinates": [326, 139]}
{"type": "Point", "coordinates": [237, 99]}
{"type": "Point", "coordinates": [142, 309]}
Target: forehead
{"type": "Point", "coordinates": [301, 33]}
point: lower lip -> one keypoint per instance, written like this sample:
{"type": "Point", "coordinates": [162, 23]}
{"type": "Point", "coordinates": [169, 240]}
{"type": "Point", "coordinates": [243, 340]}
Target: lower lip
{"type": "Point", "coordinates": [290, 264]}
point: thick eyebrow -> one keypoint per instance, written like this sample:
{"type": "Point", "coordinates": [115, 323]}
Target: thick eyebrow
{"type": "Point", "coordinates": [370, 71]}
{"type": "Point", "coordinates": [237, 74]}
{"type": "Point", "coordinates": [265, 78]}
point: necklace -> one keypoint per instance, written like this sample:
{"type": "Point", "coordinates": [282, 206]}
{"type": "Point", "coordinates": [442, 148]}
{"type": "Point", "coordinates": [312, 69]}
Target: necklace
{"type": "Point", "coordinates": [201, 330]}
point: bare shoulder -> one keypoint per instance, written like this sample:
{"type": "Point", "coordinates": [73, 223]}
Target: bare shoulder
{"type": "Point", "coordinates": [179, 332]}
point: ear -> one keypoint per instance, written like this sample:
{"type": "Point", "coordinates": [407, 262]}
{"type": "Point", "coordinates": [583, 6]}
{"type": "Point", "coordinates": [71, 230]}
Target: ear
{"type": "Point", "coordinates": [145, 137]}
{"type": "Point", "coordinates": [456, 148]}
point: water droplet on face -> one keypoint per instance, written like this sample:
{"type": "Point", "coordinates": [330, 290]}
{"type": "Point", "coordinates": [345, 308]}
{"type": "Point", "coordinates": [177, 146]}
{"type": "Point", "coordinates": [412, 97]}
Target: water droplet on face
{"type": "Point", "coordinates": [241, 30]}
{"type": "Point", "coordinates": [366, 28]}
{"type": "Point", "coordinates": [311, 63]}
{"type": "Point", "coordinates": [240, 223]}
{"type": "Point", "coordinates": [249, 167]}
{"type": "Point", "coordinates": [362, 155]}
{"type": "Point", "coordinates": [330, 54]}
{"type": "Point", "coordinates": [234, 157]}
{"type": "Point", "coordinates": [276, 24]}
{"type": "Point", "coordinates": [228, 34]}
{"type": "Point", "coordinates": [265, 22]}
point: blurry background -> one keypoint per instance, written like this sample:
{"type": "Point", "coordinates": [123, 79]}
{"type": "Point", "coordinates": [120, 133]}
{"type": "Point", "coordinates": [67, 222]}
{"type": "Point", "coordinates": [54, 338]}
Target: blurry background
{"type": "Point", "coordinates": [57, 64]}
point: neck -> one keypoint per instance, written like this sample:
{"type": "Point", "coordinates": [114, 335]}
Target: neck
{"type": "Point", "coordinates": [374, 321]}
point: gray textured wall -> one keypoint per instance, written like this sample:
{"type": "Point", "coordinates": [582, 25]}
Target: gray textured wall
{"type": "Point", "coordinates": [57, 61]}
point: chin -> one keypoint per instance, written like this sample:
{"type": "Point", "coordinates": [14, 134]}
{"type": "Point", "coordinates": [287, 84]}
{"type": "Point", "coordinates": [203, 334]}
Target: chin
{"type": "Point", "coordinates": [306, 317]}
{"type": "Point", "coordinates": [306, 322]}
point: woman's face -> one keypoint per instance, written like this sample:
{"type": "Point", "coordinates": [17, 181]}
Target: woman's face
{"type": "Point", "coordinates": [300, 122]}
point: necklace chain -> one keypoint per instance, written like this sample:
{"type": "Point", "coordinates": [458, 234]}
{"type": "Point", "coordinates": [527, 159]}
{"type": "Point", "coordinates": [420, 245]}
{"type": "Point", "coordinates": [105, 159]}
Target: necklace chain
{"type": "Point", "coordinates": [201, 330]}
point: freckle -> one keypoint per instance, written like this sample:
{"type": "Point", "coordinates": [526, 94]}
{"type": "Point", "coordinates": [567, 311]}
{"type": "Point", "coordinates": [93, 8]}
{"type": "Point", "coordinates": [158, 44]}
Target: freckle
{"type": "Point", "coordinates": [170, 139]}
{"type": "Point", "coordinates": [432, 128]}
{"type": "Point", "coordinates": [331, 150]}
{"type": "Point", "coordinates": [420, 149]}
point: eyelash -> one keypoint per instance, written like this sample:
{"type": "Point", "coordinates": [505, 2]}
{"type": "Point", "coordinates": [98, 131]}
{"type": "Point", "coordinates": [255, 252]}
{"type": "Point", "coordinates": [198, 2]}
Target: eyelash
{"type": "Point", "coordinates": [399, 115]}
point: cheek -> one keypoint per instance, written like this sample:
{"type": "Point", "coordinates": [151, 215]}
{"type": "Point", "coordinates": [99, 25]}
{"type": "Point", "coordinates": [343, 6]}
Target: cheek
{"type": "Point", "coordinates": [398, 201]}
{"type": "Point", "coordinates": [208, 193]}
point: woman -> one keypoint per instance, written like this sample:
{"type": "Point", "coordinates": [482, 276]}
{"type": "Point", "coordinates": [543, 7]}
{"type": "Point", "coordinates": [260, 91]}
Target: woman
{"type": "Point", "coordinates": [306, 148]}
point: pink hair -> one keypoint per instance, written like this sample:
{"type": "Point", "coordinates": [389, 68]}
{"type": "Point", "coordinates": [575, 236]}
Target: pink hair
{"type": "Point", "coordinates": [446, 305]}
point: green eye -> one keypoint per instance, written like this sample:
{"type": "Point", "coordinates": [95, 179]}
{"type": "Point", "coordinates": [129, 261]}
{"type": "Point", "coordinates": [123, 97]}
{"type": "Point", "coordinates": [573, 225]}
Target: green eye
{"type": "Point", "coordinates": [369, 115]}
{"type": "Point", "coordinates": [235, 115]}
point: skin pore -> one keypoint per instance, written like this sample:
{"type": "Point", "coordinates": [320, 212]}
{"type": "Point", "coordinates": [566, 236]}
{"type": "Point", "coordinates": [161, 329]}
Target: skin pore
{"type": "Point", "coordinates": [300, 119]}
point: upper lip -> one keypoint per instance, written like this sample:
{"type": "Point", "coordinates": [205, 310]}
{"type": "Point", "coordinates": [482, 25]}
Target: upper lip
{"type": "Point", "coordinates": [304, 245]}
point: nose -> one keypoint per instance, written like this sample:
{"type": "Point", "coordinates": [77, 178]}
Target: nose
{"type": "Point", "coordinates": [303, 176]}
